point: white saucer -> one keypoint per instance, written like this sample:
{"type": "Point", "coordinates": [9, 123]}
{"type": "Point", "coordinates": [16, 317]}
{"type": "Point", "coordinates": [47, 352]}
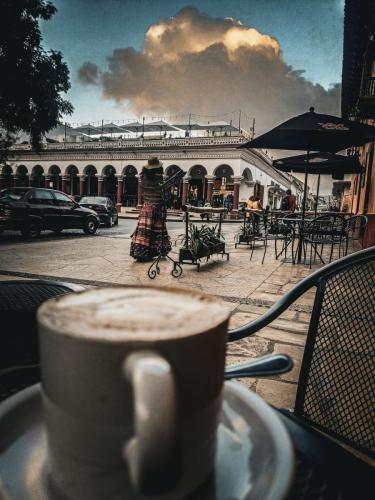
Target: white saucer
{"type": "Point", "coordinates": [254, 459]}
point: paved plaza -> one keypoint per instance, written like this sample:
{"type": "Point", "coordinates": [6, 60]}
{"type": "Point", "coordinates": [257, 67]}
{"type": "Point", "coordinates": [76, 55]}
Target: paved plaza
{"type": "Point", "coordinates": [247, 287]}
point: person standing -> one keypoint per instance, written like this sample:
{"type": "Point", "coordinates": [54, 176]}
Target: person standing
{"type": "Point", "coordinates": [151, 236]}
{"type": "Point", "coordinates": [289, 202]}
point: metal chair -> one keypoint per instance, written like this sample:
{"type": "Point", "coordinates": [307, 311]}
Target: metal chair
{"type": "Point", "coordinates": [19, 354]}
{"type": "Point", "coordinates": [336, 387]}
{"type": "Point", "coordinates": [325, 230]}
{"type": "Point", "coordinates": [275, 228]}
{"type": "Point", "coordinates": [356, 228]}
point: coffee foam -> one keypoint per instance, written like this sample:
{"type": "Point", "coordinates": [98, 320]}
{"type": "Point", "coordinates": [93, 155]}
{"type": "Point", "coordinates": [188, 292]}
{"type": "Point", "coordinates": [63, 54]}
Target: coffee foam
{"type": "Point", "coordinates": [132, 313]}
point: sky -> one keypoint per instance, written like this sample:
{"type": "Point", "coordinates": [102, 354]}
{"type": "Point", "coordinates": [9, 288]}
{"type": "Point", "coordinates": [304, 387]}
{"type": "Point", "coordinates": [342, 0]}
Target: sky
{"type": "Point", "coordinates": [162, 58]}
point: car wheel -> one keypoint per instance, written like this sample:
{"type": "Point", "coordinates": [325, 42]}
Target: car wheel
{"type": "Point", "coordinates": [90, 226]}
{"type": "Point", "coordinates": [116, 221]}
{"type": "Point", "coordinates": [110, 222]}
{"type": "Point", "coordinates": [32, 230]}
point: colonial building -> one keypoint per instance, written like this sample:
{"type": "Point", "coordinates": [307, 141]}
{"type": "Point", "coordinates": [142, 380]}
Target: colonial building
{"type": "Point", "coordinates": [358, 100]}
{"type": "Point", "coordinates": [215, 169]}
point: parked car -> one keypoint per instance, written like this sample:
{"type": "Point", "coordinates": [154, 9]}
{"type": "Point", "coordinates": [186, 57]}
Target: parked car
{"type": "Point", "coordinates": [103, 206]}
{"type": "Point", "coordinates": [32, 210]}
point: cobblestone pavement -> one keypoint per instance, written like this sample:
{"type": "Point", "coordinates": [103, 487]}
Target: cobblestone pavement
{"type": "Point", "coordinates": [247, 287]}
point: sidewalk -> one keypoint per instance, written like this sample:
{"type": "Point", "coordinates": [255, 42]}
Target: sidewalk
{"type": "Point", "coordinates": [247, 288]}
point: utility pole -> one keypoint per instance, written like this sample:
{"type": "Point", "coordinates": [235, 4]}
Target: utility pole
{"type": "Point", "coordinates": [102, 126]}
{"type": "Point", "coordinates": [239, 122]}
{"type": "Point", "coordinates": [253, 130]}
{"type": "Point", "coordinates": [143, 124]}
{"type": "Point", "coordinates": [189, 124]}
{"type": "Point", "coordinates": [65, 132]}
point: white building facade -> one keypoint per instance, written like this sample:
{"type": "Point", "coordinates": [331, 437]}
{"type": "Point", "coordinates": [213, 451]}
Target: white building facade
{"type": "Point", "coordinates": [215, 169]}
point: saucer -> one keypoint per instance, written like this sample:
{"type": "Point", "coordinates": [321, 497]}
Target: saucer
{"type": "Point", "coordinates": [254, 457]}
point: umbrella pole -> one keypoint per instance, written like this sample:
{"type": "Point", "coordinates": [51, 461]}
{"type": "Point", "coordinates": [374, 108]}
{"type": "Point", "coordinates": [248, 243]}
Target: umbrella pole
{"type": "Point", "coordinates": [317, 196]}
{"type": "Point", "coordinates": [300, 244]}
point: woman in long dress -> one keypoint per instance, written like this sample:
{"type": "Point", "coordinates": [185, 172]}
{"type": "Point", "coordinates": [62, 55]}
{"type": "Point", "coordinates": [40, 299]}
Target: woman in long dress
{"type": "Point", "coordinates": [151, 237]}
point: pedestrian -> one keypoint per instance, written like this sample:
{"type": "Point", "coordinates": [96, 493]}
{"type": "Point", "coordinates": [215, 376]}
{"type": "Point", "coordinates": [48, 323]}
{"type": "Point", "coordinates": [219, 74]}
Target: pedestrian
{"type": "Point", "coordinates": [229, 202]}
{"type": "Point", "coordinates": [151, 237]}
{"type": "Point", "coordinates": [289, 202]}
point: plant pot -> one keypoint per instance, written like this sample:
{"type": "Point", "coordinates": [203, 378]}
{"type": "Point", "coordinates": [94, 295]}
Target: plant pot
{"type": "Point", "coordinates": [186, 253]}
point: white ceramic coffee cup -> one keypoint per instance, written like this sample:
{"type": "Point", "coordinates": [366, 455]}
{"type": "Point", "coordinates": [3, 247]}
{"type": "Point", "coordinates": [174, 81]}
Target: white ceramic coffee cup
{"type": "Point", "coordinates": [132, 380]}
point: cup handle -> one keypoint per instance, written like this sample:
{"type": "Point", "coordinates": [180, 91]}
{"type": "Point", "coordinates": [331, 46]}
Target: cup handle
{"type": "Point", "coordinates": [151, 452]}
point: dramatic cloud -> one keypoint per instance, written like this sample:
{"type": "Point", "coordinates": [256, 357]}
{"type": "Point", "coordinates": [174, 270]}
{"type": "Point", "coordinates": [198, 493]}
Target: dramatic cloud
{"type": "Point", "coordinates": [88, 73]}
{"type": "Point", "coordinates": [196, 63]}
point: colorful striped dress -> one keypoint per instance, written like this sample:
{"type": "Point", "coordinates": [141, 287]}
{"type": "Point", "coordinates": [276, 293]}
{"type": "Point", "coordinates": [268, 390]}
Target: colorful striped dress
{"type": "Point", "coordinates": [151, 237]}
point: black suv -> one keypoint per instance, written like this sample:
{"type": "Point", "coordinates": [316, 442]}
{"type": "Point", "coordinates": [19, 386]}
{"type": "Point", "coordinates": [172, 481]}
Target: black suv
{"type": "Point", "coordinates": [31, 210]}
{"type": "Point", "coordinates": [103, 206]}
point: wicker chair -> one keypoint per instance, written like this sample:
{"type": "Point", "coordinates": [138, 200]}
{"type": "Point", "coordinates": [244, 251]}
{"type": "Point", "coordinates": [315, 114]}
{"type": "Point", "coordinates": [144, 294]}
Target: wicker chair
{"type": "Point", "coordinates": [336, 387]}
{"type": "Point", "coordinates": [19, 354]}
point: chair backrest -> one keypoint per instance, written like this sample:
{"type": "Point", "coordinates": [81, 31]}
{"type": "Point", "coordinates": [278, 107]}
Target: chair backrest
{"type": "Point", "coordinates": [326, 227]}
{"type": "Point", "coordinates": [19, 353]}
{"type": "Point", "coordinates": [357, 226]}
{"type": "Point", "coordinates": [19, 301]}
{"type": "Point", "coordinates": [276, 225]}
{"type": "Point", "coordinates": [336, 389]}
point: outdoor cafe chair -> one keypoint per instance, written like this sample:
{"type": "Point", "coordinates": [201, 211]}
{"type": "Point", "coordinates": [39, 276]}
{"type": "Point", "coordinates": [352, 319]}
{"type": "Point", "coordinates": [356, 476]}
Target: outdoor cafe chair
{"type": "Point", "coordinates": [325, 231]}
{"type": "Point", "coordinates": [19, 353]}
{"type": "Point", "coordinates": [335, 399]}
{"type": "Point", "coordinates": [273, 228]}
{"type": "Point", "coordinates": [355, 230]}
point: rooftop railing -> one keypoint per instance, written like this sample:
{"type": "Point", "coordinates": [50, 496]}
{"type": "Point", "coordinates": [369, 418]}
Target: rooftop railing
{"type": "Point", "coordinates": [139, 143]}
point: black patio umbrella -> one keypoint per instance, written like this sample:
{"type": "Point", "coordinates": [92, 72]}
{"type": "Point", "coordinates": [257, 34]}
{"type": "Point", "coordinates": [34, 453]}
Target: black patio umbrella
{"type": "Point", "coordinates": [313, 132]}
{"type": "Point", "coordinates": [320, 164]}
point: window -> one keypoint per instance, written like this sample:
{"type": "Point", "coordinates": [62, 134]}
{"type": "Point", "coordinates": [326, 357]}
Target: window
{"type": "Point", "coordinates": [40, 197]}
{"type": "Point", "coordinates": [63, 200]}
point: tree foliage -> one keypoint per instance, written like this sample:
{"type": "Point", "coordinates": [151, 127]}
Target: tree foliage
{"type": "Point", "coordinates": [31, 79]}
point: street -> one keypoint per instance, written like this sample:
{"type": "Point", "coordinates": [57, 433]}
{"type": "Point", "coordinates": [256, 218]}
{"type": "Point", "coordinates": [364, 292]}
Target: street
{"type": "Point", "coordinates": [247, 287]}
{"type": "Point", "coordinates": [124, 230]}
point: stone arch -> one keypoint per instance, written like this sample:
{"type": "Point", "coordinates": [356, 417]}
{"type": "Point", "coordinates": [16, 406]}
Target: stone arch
{"type": "Point", "coordinates": [91, 180]}
{"type": "Point", "coordinates": [109, 181]}
{"type": "Point", "coordinates": [21, 170]}
{"type": "Point", "coordinates": [197, 172]}
{"type": "Point", "coordinates": [22, 177]}
{"type": "Point", "coordinates": [7, 170]}
{"type": "Point", "coordinates": [37, 174]}
{"type": "Point", "coordinates": [71, 170]}
{"type": "Point", "coordinates": [54, 172]}
{"type": "Point", "coordinates": [90, 170]}
{"type": "Point", "coordinates": [172, 170]}
{"type": "Point", "coordinates": [6, 176]}
{"type": "Point", "coordinates": [108, 170]}
{"type": "Point", "coordinates": [130, 186]}
{"type": "Point", "coordinates": [223, 188]}
{"type": "Point", "coordinates": [72, 180]}
{"type": "Point", "coordinates": [247, 185]}
{"type": "Point", "coordinates": [175, 193]}
{"type": "Point", "coordinates": [37, 170]}
{"type": "Point", "coordinates": [129, 171]}
{"type": "Point", "coordinates": [54, 169]}
{"type": "Point", "coordinates": [225, 171]}
{"type": "Point", "coordinates": [247, 175]}
{"type": "Point", "coordinates": [197, 185]}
